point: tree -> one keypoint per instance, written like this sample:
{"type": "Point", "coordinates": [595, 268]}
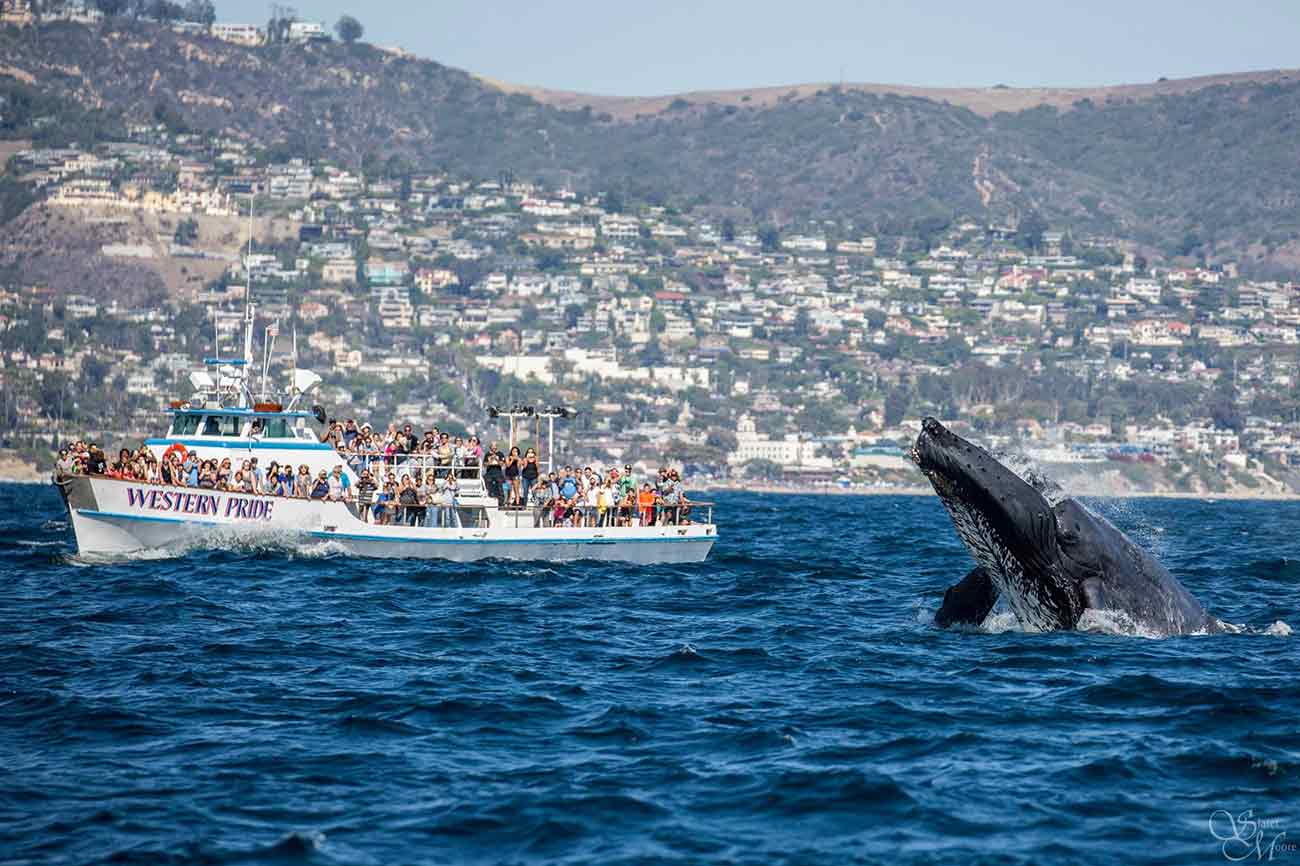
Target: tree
{"type": "Point", "coordinates": [802, 322]}
{"type": "Point", "coordinates": [612, 202]}
{"type": "Point", "coordinates": [762, 470]}
{"type": "Point", "coordinates": [929, 228]}
{"type": "Point", "coordinates": [572, 312]}
{"type": "Point", "coordinates": [165, 11]}
{"type": "Point", "coordinates": [770, 238]}
{"type": "Point", "coordinates": [277, 29]}
{"type": "Point", "coordinates": [201, 12]}
{"type": "Point", "coordinates": [111, 7]}
{"type": "Point", "coordinates": [1030, 232]}
{"type": "Point", "coordinates": [728, 230]}
{"type": "Point", "coordinates": [896, 403]}
{"type": "Point", "coordinates": [187, 231]}
{"type": "Point", "coordinates": [349, 29]}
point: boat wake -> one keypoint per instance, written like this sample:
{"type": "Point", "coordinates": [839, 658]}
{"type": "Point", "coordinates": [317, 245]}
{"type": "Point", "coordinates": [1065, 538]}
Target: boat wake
{"type": "Point", "coordinates": [289, 543]}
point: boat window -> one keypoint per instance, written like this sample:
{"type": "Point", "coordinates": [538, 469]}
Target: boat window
{"type": "Point", "coordinates": [221, 425]}
{"type": "Point", "coordinates": [185, 425]}
{"type": "Point", "coordinates": [276, 428]}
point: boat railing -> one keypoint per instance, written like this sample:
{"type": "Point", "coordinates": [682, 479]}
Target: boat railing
{"type": "Point", "coordinates": [617, 517]}
{"type": "Point", "coordinates": [469, 476]}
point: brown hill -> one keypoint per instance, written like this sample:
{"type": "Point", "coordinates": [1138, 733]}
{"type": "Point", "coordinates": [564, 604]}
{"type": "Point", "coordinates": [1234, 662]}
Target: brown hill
{"type": "Point", "coordinates": [1207, 166]}
{"type": "Point", "coordinates": [985, 101]}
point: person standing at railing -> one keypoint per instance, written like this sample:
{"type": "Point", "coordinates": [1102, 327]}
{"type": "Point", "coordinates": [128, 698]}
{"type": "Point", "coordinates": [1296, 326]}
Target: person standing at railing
{"type": "Point", "coordinates": [430, 493]}
{"type": "Point", "coordinates": [594, 513]}
{"type": "Point", "coordinates": [408, 497]}
{"type": "Point", "coordinates": [366, 488]}
{"type": "Point", "coordinates": [493, 476]}
{"type": "Point", "coordinates": [448, 517]}
{"type": "Point", "coordinates": [513, 464]}
{"type": "Point", "coordinates": [528, 474]}
{"type": "Point", "coordinates": [445, 455]}
{"type": "Point", "coordinates": [646, 504]}
{"type": "Point", "coordinates": [605, 502]}
{"type": "Point", "coordinates": [473, 456]}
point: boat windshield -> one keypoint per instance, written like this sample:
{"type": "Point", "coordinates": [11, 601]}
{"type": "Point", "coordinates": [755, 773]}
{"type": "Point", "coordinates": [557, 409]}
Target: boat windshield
{"type": "Point", "coordinates": [221, 425]}
{"type": "Point", "coordinates": [275, 428]}
{"type": "Point", "coordinates": [185, 425]}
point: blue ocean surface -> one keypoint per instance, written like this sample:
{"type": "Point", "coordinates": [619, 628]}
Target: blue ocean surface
{"type": "Point", "coordinates": [787, 701]}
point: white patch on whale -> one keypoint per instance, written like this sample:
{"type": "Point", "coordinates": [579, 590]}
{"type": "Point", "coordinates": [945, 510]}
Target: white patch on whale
{"type": "Point", "coordinates": [1004, 570]}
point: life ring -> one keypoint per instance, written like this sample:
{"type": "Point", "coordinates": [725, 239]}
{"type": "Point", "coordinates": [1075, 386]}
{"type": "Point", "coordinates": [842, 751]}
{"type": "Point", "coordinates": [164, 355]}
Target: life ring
{"type": "Point", "coordinates": [175, 448]}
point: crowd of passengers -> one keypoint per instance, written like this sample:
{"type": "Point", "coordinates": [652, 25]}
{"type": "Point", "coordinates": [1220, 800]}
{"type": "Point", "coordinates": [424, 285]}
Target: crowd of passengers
{"type": "Point", "coordinates": [433, 468]}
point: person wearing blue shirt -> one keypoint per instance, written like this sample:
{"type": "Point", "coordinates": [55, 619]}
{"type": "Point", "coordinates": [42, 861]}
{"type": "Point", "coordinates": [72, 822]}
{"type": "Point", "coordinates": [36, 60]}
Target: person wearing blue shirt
{"type": "Point", "coordinates": [569, 485]}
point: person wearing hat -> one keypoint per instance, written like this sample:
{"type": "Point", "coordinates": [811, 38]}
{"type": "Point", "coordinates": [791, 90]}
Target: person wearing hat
{"type": "Point", "coordinates": [67, 464]}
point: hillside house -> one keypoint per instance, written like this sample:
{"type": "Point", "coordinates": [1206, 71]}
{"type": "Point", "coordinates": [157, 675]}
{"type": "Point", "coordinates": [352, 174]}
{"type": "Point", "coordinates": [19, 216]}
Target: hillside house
{"type": "Point", "coordinates": [239, 34]}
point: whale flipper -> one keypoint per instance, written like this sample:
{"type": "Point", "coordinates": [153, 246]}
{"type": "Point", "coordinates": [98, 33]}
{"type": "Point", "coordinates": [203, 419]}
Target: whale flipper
{"type": "Point", "coordinates": [968, 601]}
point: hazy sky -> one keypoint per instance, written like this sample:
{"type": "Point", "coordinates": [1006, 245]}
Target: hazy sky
{"type": "Point", "coordinates": [667, 46]}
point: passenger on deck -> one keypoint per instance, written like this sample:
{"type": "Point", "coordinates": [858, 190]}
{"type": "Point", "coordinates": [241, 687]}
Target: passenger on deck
{"type": "Point", "coordinates": [528, 474]}
{"type": "Point", "coordinates": [513, 486]}
{"type": "Point", "coordinates": [366, 488]}
{"type": "Point", "coordinates": [223, 474]}
{"type": "Point", "coordinates": [671, 494]}
{"type": "Point", "coordinates": [408, 497]}
{"type": "Point", "coordinates": [321, 488]}
{"type": "Point", "coordinates": [338, 484]}
{"type": "Point", "coordinates": [386, 504]}
{"type": "Point", "coordinates": [170, 472]}
{"type": "Point", "coordinates": [646, 504]}
{"type": "Point", "coordinates": [449, 517]}
{"type": "Point", "coordinates": [208, 475]}
{"type": "Point", "coordinates": [493, 476]}
{"type": "Point", "coordinates": [302, 484]}
{"type": "Point", "coordinates": [429, 493]}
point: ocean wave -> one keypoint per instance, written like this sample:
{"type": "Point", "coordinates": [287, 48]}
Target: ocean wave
{"type": "Point", "coordinates": [786, 701]}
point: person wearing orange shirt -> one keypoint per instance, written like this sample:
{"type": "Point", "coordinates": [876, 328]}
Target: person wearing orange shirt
{"type": "Point", "coordinates": [646, 503]}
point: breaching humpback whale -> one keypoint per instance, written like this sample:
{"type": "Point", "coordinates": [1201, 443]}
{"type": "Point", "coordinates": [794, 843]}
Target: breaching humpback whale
{"type": "Point", "coordinates": [1049, 563]}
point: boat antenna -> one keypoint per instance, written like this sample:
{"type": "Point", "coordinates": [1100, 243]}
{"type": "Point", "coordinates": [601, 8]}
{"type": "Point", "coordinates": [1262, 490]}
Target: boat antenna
{"type": "Point", "coordinates": [272, 332]}
{"type": "Point", "coordinates": [249, 306]}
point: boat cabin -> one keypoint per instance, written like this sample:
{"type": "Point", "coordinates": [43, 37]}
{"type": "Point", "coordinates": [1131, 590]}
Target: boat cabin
{"type": "Point", "coordinates": [230, 423]}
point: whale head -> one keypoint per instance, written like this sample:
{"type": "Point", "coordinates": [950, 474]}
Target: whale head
{"type": "Point", "coordinates": [1007, 525]}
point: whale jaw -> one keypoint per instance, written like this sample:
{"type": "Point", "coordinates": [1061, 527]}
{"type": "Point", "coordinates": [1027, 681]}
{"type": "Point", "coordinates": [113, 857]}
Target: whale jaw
{"type": "Point", "coordinates": [1007, 525]}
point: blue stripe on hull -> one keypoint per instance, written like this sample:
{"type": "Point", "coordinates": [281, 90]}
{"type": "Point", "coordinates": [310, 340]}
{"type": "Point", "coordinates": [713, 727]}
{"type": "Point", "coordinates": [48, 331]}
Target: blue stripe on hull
{"type": "Point", "coordinates": [245, 445]}
{"type": "Point", "coordinates": [394, 539]}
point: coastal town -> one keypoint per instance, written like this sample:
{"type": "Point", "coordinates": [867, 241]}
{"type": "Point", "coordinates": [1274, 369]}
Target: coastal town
{"type": "Point", "coordinates": [801, 353]}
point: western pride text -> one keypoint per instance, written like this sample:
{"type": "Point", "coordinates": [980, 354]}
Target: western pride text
{"type": "Point", "coordinates": [179, 502]}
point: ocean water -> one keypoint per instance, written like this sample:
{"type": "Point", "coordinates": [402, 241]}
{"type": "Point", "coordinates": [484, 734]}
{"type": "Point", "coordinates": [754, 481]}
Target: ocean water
{"type": "Point", "coordinates": [786, 701]}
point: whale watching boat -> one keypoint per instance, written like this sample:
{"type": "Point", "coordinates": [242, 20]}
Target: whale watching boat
{"type": "Point", "coordinates": [224, 418]}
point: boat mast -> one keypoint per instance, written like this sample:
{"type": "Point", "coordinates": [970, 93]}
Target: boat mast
{"type": "Point", "coordinates": [249, 308]}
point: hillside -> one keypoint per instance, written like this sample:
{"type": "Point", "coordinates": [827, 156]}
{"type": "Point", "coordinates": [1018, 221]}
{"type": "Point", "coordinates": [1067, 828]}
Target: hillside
{"type": "Point", "coordinates": [1203, 166]}
{"type": "Point", "coordinates": [986, 101]}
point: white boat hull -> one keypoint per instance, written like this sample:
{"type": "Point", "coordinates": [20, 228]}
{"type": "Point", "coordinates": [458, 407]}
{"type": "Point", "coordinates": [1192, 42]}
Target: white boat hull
{"type": "Point", "coordinates": [113, 517]}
